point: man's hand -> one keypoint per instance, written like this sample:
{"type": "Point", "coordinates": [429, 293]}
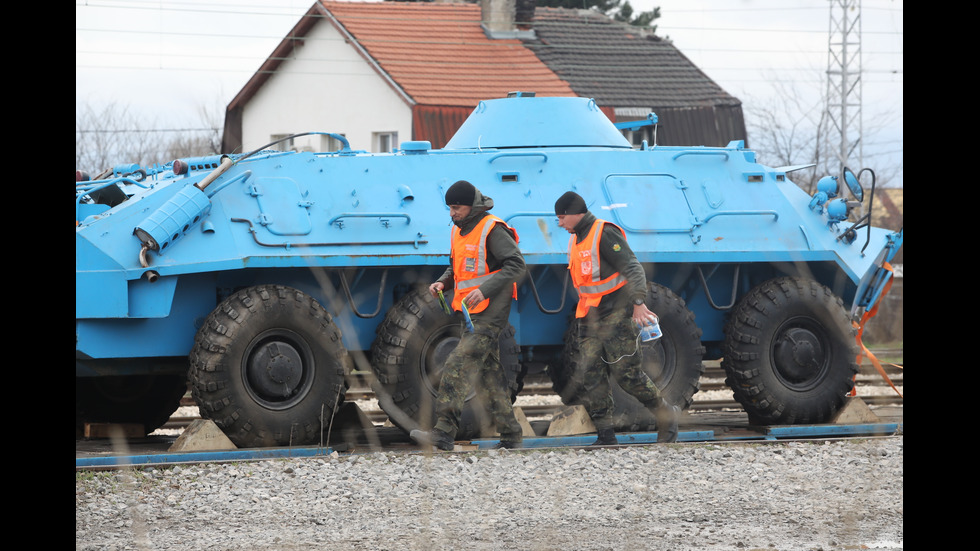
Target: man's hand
{"type": "Point", "coordinates": [475, 297]}
{"type": "Point", "coordinates": [642, 315]}
{"type": "Point", "coordinates": [436, 287]}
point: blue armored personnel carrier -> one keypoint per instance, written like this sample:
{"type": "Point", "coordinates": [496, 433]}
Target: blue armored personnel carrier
{"type": "Point", "coordinates": [262, 280]}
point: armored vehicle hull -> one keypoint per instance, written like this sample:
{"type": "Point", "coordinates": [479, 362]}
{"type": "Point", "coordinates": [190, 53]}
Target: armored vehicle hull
{"type": "Point", "coordinates": [263, 280]}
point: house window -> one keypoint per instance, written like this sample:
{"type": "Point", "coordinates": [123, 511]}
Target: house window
{"type": "Point", "coordinates": [637, 136]}
{"type": "Point", "coordinates": [284, 145]}
{"type": "Point", "coordinates": [385, 142]}
{"type": "Point", "coordinates": [329, 143]}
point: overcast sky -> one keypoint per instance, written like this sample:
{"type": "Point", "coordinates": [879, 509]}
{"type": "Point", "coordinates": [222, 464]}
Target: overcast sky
{"type": "Point", "coordinates": [165, 60]}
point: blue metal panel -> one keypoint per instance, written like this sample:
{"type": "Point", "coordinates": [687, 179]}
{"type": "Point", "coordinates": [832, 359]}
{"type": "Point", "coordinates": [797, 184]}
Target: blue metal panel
{"type": "Point", "coordinates": [151, 300]}
{"type": "Point", "coordinates": [198, 457]}
{"type": "Point", "coordinates": [623, 438]}
{"type": "Point", "coordinates": [101, 295]}
{"type": "Point", "coordinates": [155, 336]}
{"type": "Point", "coordinates": [830, 431]}
{"type": "Point", "coordinates": [283, 205]}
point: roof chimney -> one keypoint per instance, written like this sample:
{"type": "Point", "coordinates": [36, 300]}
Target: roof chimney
{"type": "Point", "coordinates": [524, 12]}
{"type": "Point", "coordinates": [500, 18]}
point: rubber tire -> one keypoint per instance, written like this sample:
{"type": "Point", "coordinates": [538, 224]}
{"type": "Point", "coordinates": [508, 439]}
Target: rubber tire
{"type": "Point", "coordinates": [248, 345]}
{"type": "Point", "coordinates": [673, 362]}
{"type": "Point", "coordinates": [767, 377]}
{"type": "Point", "coordinates": [408, 356]}
{"type": "Point", "coordinates": [148, 400]}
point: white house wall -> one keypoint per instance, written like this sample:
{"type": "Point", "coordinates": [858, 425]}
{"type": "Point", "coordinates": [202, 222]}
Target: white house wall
{"type": "Point", "coordinates": [326, 86]}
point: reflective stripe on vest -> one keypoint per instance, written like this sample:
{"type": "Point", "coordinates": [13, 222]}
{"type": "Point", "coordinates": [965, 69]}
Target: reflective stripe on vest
{"type": "Point", "coordinates": [583, 264]}
{"type": "Point", "coordinates": [469, 261]}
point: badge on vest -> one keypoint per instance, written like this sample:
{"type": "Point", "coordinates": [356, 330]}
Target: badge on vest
{"type": "Point", "coordinates": [585, 259]}
{"type": "Point", "coordinates": [470, 265]}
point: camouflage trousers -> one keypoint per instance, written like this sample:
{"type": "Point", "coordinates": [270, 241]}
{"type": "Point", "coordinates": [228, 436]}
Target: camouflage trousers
{"type": "Point", "coordinates": [609, 349]}
{"type": "Point", "coordinates": [474, 365]}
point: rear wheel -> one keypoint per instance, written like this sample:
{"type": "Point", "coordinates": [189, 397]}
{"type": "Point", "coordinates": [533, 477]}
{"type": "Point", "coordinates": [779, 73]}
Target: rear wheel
{"type": "Point", "coordinates": [790, 352]}
{"type": "Point", "coordinates": [268, 367]}
{"type": "Point", "coordinates": [409, 356]}
{"type": "Point", "coordinates": [673, 362]}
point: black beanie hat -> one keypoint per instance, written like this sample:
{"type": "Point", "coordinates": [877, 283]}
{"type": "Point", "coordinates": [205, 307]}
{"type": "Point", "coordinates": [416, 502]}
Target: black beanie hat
{"type": "Point", "coordinates": [461, 193]}
{"type": "Point", "coordinates": [570, 203]}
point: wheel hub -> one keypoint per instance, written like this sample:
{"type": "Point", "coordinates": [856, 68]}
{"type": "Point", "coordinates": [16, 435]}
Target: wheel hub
{"type": "Point", "coordinates": [275, 369]}
{"type": "Point", "coordinates": [278, 369]}
{"type": "Point", "coordinates": [799, 356]}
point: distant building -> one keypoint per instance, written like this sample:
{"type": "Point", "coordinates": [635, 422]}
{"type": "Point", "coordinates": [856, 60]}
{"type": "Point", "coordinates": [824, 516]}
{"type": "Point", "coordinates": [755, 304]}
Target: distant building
{"type": "Point", "coordinates": [635, 72]}
{"type": "Point", "coordinates": [380, 73]}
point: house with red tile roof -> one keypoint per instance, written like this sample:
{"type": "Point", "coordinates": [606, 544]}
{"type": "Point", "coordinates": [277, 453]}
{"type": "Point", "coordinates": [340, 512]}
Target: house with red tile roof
{"type": "Point", "coordinates": [381, 73]}
{"type": "Point", "coordinates": [632, 72]}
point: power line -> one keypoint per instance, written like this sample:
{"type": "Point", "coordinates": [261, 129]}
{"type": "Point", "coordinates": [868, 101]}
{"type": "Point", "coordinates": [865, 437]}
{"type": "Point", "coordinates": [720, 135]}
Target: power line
{"type": "Point", "coordinates": [191, 8]}
{"type": "Point", "coordinates": [147, 131]}
{"type": "Point", "coordinates": [155, 32]}
{"type": "Point", "coordinates": [733, 51]}
{"type": "Point", "coordinates": [198, 7]}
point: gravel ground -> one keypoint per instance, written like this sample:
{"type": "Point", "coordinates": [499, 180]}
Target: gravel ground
{"type": "Point", "coordinates": [689, 496]}
{"type": "Point", "coordinates": [772, 496]}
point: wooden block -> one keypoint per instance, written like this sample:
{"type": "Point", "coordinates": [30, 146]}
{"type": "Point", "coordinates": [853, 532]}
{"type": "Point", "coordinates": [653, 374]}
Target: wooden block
{"type": "Point", "coordinates": [571, 420]}
{"type": "Point", "coordinates": [348, 423]}
{"type": "Point", "coordinates": [526, 429]}
{"type": "Point", "coordinates": [855, 411]}
{"type": "Point", "coordinates": [114, 430]}
{"type": "Point", "coordinates": [202, 435]}
{"type": "Point", "coordinates": [350, 415]}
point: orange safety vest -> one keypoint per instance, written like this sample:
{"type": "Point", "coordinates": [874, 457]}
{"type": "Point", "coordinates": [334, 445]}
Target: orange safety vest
{"type": "Point", "coordinates": [469, 261]}
{"type": "Point", "coordinates": [583, 263]}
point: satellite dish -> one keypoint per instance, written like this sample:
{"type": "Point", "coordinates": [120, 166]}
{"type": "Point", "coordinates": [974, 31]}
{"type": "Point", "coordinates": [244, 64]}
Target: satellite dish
{"type": "Point", "coordinates": [852, 183]}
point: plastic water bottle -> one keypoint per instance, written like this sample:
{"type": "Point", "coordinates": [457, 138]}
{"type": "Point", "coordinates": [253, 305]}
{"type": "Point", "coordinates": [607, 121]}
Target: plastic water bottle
{"type": "Point", "coordinates": [650, 331]}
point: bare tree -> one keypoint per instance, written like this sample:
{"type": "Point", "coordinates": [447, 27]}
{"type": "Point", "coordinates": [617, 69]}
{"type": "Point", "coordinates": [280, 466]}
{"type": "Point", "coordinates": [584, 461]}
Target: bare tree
{"type": "Point", "coordinates": [111, 135]}
{"type": "Point", "coordinates": [792, 129]}
{"type": "Point", "coordinates": [203, 141]}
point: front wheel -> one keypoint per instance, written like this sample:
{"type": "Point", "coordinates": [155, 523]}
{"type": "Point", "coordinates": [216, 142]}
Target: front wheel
{"type": "Point", "coordinates": [790, 352]}
{"type": "Point", "coordinates": [268, 367]}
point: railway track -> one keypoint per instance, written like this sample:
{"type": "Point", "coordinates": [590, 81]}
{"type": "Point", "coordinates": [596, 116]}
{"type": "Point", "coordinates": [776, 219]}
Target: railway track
{"type": "Point", "coordinates": [534, 411]}
{"type": "Point", "coordinates": [713, 379]}
{"type": "Point", "coordinates": [710, 420]}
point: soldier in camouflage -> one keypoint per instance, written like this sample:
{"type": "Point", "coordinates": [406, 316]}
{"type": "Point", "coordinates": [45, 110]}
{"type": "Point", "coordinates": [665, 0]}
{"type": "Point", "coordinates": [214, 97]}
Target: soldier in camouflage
{"type": "Point", "coordinates": [485, 266]}
{"type": "Point", "coordinates": [612, 290]}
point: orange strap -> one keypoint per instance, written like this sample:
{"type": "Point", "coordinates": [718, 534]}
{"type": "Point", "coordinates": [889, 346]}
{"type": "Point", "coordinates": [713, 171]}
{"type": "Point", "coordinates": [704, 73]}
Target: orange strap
{"type": "Point", "coordinates": [860, 331]}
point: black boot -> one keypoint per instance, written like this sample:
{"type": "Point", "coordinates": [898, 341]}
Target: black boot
{"type": "Point", "coordinates": [436, 438]}
{"type": "Point", "coordinates": [607, 437]}
{"type": "Point", "coordinates": [510, 441]}
{"type": "Point", "coordinates": [667, 417]}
